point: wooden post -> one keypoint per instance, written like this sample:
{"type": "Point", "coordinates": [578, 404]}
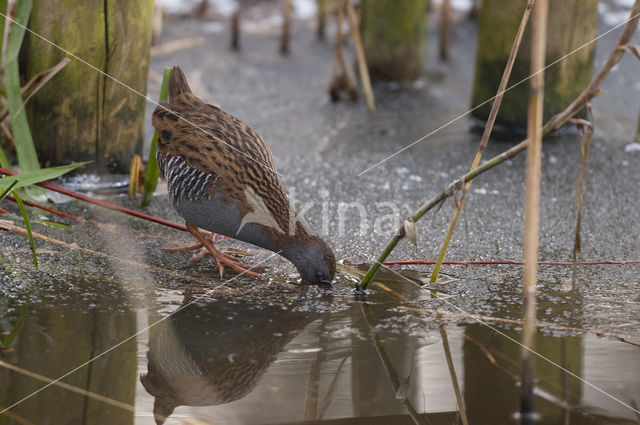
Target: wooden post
{"type": "Point", "coordinates": [571, 24]}
{"type": "Point", "coordinates": [394, 37]}
{"type": "Point", "coordinates": [81, 114]}
{"type": "Point", "coordinates": [128, 25]}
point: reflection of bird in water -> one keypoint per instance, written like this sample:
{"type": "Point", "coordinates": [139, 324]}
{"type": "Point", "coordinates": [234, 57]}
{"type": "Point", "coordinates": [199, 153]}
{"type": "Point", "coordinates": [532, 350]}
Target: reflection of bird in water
{"type": "Point", "coordinates": [215, 352]}
{"type": "Point", "coordinates": [221, 177]}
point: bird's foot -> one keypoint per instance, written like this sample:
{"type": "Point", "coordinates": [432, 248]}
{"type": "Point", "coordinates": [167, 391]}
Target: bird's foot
{"type": "Point", "coordinates": [202, 250]}
{"type": "Point", "coordinates": [221, 258]}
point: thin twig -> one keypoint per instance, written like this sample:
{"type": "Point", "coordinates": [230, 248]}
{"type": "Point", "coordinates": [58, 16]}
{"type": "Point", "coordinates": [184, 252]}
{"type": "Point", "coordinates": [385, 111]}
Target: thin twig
{"type": "Point", "coordinates": [585, 142]}
{"type": "Point", "coordinates": [452, 374]}
{"type": "Point", "coordinates": [347, 79]}
{"type": "Point", "coordinates": [362, 60]}
{"type": "Point", "coordinates": [160, 270]}
{"type": "Point", "coordinates": [35, 84]}
{"type": "Point", "coordinates": [493, 262]}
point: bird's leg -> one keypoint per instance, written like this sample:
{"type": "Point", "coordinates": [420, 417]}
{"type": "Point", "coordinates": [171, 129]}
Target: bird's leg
{"type": "Point", "coordinates": [221, 258]}
{"type": "Point", "coordinates": [193, 247]}
{"type": "Point", "coordinates": [195, 257]}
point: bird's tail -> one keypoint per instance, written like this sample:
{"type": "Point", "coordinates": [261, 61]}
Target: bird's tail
{"type": "Point", "coordinates": [177, 84]}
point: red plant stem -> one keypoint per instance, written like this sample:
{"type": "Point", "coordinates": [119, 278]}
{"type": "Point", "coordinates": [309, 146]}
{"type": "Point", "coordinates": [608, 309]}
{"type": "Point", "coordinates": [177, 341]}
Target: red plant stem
{"type": "Point", "coordinates": [514, 262]}
{"type": "Point", "coordinates": [43, 207]}
{"type": "Point", "coordinates": [103, 204]}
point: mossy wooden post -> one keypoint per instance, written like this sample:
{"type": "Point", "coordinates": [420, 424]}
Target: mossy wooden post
{"type": "Point", "coordinates": [128, 25]}
{"type": "Point", "coordinates": [571, 24]}
{"type": "Point", "coordinates": [81, 114]}
{"type": "Point", "coordinates": [394, 37]}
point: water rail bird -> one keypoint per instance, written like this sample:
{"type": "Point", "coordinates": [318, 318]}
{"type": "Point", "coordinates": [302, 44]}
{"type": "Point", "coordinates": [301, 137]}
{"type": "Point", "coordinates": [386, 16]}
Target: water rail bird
{"type": "Point", "coordinates": [221, 177]}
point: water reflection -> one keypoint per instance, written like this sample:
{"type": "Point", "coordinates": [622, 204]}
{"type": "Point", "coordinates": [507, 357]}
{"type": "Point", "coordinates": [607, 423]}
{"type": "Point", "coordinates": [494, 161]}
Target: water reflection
{"type": "Point", "coordinates": [211, 352]}
{"type": "Point", "coordinates": [303, 357]}
{"type": "Point", "coordinates": [60, 335]}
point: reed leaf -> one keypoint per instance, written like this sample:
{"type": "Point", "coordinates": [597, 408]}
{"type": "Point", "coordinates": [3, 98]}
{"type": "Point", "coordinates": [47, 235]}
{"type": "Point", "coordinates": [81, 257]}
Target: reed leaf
{"type": "Point", "coordinates": [27, 225]}
{"type": "Point", "coordinates": [151, 176]}
{"type": "Point", "coordinates": [8, 189]}
{"type": "Point", "coordinates": [4, 161]}
{"type": "Point", "coordinates": [25, 149]}
{"type": "Point", "coordinates": [29, 178]}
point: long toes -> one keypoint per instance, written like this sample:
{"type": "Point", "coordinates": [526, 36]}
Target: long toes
{"type": "Point", "coordinates": [183, 248]}
{"type": "Point", "coordinates": [198, 256]}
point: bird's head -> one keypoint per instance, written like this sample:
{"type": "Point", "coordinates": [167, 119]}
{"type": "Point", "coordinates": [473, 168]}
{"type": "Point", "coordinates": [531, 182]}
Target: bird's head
{"type": "Point", "coordinates": [314, 259]}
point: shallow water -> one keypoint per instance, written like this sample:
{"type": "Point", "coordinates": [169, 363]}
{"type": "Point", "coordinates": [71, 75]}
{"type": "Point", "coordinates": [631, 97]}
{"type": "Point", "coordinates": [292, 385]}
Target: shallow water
{"type": "Point", "coordinates": [306, 354]}
{"type": "Point", "coordinates": [130, 329]}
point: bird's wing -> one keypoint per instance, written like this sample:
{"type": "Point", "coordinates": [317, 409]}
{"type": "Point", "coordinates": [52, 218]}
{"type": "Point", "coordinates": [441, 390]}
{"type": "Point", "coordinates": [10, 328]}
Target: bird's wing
{"type": "Point", "coordinates": [217, 143]}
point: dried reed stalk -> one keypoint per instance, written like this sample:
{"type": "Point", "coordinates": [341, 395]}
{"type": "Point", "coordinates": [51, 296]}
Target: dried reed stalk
{"type": "Point", "coordinates": [362, 60]}
{"type": "Point", "coordinates": [532, 206]}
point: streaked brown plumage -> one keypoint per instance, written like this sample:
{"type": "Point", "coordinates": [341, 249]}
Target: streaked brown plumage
{"type": "Point", "coordinates": [221, 177]}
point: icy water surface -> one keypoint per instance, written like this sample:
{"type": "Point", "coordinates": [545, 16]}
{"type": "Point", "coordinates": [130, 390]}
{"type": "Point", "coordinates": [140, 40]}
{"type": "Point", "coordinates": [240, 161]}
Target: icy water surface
{"type": "Point", "coordinates": [286, 353]}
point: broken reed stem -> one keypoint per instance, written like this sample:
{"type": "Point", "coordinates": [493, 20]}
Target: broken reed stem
{"type": "Point", "coordinates": [454, 377]}
{"type": "Point", "coordinates": [554, 124]}
{"type": "Point", "coordinates": [348, 79]}
{"type": "Point", "coordinates": [362, 60]}
{"type": "Point", "coordinates": [35, 84]}
{"type": "Point", "coordinates": [532, 206]}
{"type": "Point", "coordinates": [495, 107]}
{"type": "Point", "coordinates": [445, 29]}
{"type": "Point", "coordinates": [585, 142]}
{"type": "Point", "coordinates": [437, 200]}
{"type": "Point", "coordinates": [287, 8]}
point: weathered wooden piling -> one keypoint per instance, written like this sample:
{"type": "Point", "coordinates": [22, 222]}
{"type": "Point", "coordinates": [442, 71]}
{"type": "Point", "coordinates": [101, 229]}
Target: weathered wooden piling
{"type": "Point", "coordinates": [83, 114]}
{"type": "Point", "coordinates": [571, 24]}
{"type": "Point", "coordinates": [394, 37]}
